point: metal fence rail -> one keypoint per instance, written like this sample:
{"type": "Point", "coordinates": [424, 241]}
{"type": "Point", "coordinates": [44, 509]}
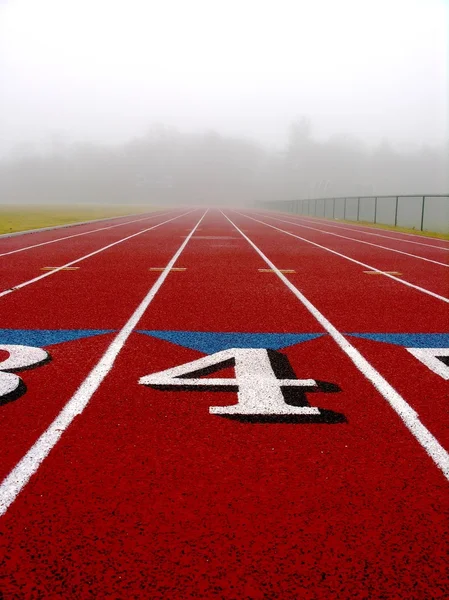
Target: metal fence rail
{"type": "Point", "coordinates": [428, 212]}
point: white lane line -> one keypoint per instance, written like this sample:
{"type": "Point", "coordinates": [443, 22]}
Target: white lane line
{"type": "Point", "coordinates": [357, 262]}
{"type": "Point", "coordinates": [73, 262]}
{"type": "Point", "coordinates": [409, 416]}
{"type": "Point", "coordinates": [67, 237]}
{"type": "Point", "coordinates": [17, 479]}
{"type": "Point", "coordinates": [345, 237]}
{"type": "Point", "coordinates": [388, 237]}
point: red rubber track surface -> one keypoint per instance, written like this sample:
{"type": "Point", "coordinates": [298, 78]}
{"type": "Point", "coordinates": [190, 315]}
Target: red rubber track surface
{"type": "Point", "coordinates": [27, 264]}
{"type": "Point", "coordinates": [147, 495]}
{"type": "Point", "coordinates": [432, 249]}
{"type": "Point", "coordinates": [429, 275]}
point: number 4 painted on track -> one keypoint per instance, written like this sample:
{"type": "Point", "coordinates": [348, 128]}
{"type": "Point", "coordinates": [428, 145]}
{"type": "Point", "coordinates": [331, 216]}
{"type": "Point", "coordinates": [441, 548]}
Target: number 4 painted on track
{"type": "Point", "coordinates": [264, 380]}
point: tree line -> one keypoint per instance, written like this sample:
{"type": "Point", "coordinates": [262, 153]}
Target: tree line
{"type": "Point", "coordinates": [169, 166]}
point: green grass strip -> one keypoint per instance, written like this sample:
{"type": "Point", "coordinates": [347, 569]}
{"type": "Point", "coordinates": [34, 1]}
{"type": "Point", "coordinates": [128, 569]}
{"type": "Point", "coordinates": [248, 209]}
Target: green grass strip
{"type": "Point", "coordinates": [433, 234]}
{"type": "Point", "coordinates": [22, 218]}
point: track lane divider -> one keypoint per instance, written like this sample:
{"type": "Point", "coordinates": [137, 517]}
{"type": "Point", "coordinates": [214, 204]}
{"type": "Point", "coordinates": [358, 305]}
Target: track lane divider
{"type": "Point", "coordinates": [357, 229]}
{"type": "Point", "coordinates": [77, 260]}
{"type": "Point", "coordinates": [67, 237]}
{"type": "Point", "coordinates": [408, 415]}
{"type": "Point", "coordinates": [296, 224]}
{"type": "Point", "coordinates": [17, 479]}
{"type": "Point", "coordinates": [357, 262]}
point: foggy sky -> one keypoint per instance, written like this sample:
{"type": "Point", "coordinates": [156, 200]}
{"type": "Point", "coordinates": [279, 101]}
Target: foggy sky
{"type": "Point", "coordinates": [106, 70]}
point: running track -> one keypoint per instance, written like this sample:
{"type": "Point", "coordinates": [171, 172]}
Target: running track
{"type": "Point", "coordinates": [118, 489]}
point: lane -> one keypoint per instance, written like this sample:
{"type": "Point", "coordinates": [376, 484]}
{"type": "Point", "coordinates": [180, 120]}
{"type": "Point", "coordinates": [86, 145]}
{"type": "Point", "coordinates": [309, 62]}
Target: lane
{"type": "Point", "coordinates": [306, 225]}
{"type": "Point", "coordinates": [116, 223]}
{"type": "Point", "coordinates": [399, 239]}
{"type": "Point", "coordinates": [425, 278]}
{"type": "Point", "coordinates": [164, 499]}
{"type": "Point", "coordinates": [22, 270]}
{"type": "Point", "coordinates": [410, 418]}
{"type": "Point", "coordinates": [27, 241]}
{"type": "Point", "coordinates": [29, 464]}
{"type": "Point", "coordinates": [75, 316]}
{"type": "Point", "coordinates": [384, 318]}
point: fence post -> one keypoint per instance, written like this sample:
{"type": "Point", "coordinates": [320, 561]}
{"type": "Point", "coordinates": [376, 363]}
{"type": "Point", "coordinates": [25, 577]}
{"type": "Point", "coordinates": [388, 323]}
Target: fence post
{"type": "Point", "coordinates": [344, 211]}
{"type": "Point", "coordinates": [375, 209]}
{"type": "Point", "coordinates": [422, 212]}
{"type": "Point", "coordinates": [333, 208]}
{"type": "Point", "coordinates": [358, 209]}
{"type": "Point", "coordinates": [314, 209]}
{"type": "Point", "coordinates": [396, 212]}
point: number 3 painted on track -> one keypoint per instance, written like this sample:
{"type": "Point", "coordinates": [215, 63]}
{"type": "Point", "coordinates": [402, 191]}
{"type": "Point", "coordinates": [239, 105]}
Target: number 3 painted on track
{"type": "Point", "coordinates": [267, 388]}
{"type": "Point", "coordinates": [19, 359]}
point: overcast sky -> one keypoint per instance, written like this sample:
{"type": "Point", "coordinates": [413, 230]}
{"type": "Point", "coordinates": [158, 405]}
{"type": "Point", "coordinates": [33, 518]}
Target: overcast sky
{"type": "Point", "coordinates": [105, 70]}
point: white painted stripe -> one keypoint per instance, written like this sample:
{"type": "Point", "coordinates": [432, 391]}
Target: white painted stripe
{"type": "Point", "coordinates": [73, 262]}
{"type": "Point", "coordinates": [358, 229]}
{"type": "Point", "coordinates": [60, 268]}
{"type": "Point", "coordinates": [357, 262]}
{"type": "Point", "coordinates": [13, 484]}
{"type": "Point", "coordinates": [68, 237]}
{"type": "Point", "coordinates": [155, 379]}
{"type": "Point", "coordinates": [409, 416]}
{"type": "Point", "coordinates": [436, 262]}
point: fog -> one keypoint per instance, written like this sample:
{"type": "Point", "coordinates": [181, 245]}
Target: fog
{"type": "Point", "coordinates": [222, 102]}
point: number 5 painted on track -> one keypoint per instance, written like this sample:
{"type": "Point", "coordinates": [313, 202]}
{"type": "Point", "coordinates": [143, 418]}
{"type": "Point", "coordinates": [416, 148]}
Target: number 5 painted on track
{"type": "Point", "coordinates": [264, 380]}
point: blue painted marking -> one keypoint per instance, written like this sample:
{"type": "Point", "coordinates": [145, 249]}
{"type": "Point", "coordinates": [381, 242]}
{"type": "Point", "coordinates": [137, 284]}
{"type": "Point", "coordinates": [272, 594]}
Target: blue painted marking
{"type": "Point", "coordinates": [46, 337]}
{"type": "Point", "coordinates": [408, 340]}
{"type": "Point", "coordinates": [210, 342]}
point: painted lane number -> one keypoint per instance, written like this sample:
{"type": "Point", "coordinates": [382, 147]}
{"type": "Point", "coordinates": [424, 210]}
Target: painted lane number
{"type": "Point", "coordinates": [265, 382]}
{"type": "Point", "coordinates": [266, 385]}
{"type": "Point", "coordinates": [19, 358]}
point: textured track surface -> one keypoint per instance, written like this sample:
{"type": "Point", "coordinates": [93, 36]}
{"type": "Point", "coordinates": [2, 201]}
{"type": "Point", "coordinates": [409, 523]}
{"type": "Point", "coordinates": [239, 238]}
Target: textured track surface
{"type": "Point", "coordinates": [143, 493]}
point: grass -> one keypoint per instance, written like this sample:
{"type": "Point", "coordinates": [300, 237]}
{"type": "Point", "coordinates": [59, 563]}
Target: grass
{"type": "Point", "coordinates": [21, 218]}
{"type": "Point", "coordinates": [433, 234]}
